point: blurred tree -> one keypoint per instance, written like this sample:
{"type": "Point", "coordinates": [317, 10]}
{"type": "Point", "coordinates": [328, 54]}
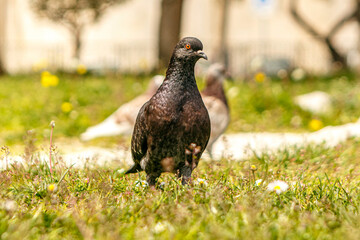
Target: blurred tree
{"type": "Point", "coordinates": [3, 13]}
{"type": "Point", "coordinates": [327, 39]}
{"type": "Point", "coordinates": [169, 32]}
{"type": "Point", "coordinates": [221, 54]}
{"type": "Point", "coordinates": [73, 14]}
{"type": "Point", "coordinates": [2, 68]}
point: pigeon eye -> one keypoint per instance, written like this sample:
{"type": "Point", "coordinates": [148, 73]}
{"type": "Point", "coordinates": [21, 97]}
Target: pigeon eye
{"type": "Point", "coordinates": [187, 46]}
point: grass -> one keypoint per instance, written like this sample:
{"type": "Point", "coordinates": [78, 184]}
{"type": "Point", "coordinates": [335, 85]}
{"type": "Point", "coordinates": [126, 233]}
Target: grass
{"type": "Point", "coordinates": [101, 203]}
{"type": "Point", "coordinates": [26, 105]}
{"type": "Point", "coordinates": [322, 201]}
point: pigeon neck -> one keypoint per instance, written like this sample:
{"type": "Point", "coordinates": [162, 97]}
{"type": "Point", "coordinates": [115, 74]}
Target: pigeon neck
{"type": "Point", "coordinates": [183, 68]}
{"type": "Point", "coordinates": [215, 89]}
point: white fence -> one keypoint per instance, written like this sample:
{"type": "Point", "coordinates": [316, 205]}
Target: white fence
{"type": "Point", "coordinates": [140, 57]}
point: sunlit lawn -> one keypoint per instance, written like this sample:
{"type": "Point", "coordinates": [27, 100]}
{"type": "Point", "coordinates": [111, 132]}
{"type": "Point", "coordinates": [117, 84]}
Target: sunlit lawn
{"type": "Point", "coordinates": [78, 102]}
{"type": "Point", "coordinates": [74, 104]}
{"type": "Point", "coordinates": [322, 201]}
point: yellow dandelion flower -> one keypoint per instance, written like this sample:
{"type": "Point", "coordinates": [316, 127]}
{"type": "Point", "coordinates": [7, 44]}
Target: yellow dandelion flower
{"type": "Point", "coordinates": [253, 167]}
{"type": "Point", "coordinates": [45, 79]}
{"type": "Point", "coordinates": [81, 69]}
{"type": "Point", "coordinates": [260, 77]}
{"type": "Point", "coordinates": [66, 107]}
{"type": "Point", "coordinates": [315, 125]}
{"type": "Point", "coordinates": [52, 187]}
{"type": "Point", "coordinates": [48, 79]}
{"type": "Point", "coordinates": [53, 80]}
{"type": "Point", "coordinates": [45, 73]}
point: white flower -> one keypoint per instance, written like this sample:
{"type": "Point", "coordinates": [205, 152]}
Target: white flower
{"type": "Point", "coordinates": [10, 205]}
{"type": "Point", "coordinates": [213, 210]}
{"type": "Point", "coordinates": [141, 184]}
{"type": "Point", "coordinates": [121, 171]}
{"type": "Point", "coordinates": [159, 228]}
{"type": "Point", "coordinates": [258, 182]}
{"type": "Point", "coordinates": [278, 186]}
{"type": "Point", "coordinates": [201, 182]}
{"type": "Point", "coordinates": [162, 185]}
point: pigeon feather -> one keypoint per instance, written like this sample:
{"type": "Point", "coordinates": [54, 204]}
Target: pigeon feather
{"type": "Point", "coordinates": [215, 101]}
{"type": "Point", "coordinates": [172, 129]}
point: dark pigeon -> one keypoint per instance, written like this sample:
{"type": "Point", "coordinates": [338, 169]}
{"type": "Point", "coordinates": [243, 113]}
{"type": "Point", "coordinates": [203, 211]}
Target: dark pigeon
{"type": "Point", "coordinates": [172, 129]}
{"type": "Point", "coordinates": [215, 101]}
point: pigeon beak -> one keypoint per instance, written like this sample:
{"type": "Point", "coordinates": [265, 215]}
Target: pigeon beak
{"type": "Point", "coordinates": [201, 54]}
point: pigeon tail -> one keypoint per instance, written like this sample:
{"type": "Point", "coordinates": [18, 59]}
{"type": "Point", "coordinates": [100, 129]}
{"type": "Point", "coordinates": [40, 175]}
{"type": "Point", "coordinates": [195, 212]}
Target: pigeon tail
{"type": "Point", "coordinates": [134, 169]}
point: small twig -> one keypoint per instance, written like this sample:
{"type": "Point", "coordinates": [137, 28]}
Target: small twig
{"type": "Point", "coordinates": [52, 124]}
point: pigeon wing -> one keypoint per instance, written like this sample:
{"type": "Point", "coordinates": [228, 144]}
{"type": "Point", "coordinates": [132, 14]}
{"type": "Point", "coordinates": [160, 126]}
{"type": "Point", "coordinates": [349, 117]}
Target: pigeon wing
{"type": "Point", "coordinates": [139, 138]}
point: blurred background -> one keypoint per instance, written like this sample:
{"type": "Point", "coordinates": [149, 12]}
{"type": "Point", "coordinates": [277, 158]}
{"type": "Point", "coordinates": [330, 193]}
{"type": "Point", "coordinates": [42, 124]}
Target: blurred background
{"type": "Point", "coordinates": [77, 61]}
{"type": "Point", "coordinates": [139, 35]}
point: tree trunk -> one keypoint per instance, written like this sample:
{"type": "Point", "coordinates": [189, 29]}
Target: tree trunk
{"type": "Point", "coordinates": [77, 43]}
{"type": "Point", "coordinates": [221, 54]}
{"type": "Point", "coordinates": [169, 32]}
{"type": "Point", "coordinates": [2, 68]}
{"type": "Point", "coordinates": [3, 9]}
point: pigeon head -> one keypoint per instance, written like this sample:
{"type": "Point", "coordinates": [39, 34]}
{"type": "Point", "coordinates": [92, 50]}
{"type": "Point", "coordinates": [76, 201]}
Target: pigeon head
{"type": "Point", "coordinates": [189, 49]}
{"type": "Point", "coordinates": [217, 73]}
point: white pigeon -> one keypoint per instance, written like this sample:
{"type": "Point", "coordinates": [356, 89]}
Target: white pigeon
{"type": "Point", "coordinates": [215, 101]}
{"type": "Point", "coordinates": [122, 121]}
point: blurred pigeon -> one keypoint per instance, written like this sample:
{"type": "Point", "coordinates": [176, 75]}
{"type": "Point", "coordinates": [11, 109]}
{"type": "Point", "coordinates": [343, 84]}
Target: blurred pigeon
{"type": "Point", "coordinates": [316, 102]}
{"type": "Point", "coordinates": [215, 101]}
{"type": "Point", "coordinates": [122, 121]}
{"type": "Point", "coordinates": [173, 128]}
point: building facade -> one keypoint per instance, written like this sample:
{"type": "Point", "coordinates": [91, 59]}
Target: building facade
{"type": "Point", "coordinates": [125, 38]}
